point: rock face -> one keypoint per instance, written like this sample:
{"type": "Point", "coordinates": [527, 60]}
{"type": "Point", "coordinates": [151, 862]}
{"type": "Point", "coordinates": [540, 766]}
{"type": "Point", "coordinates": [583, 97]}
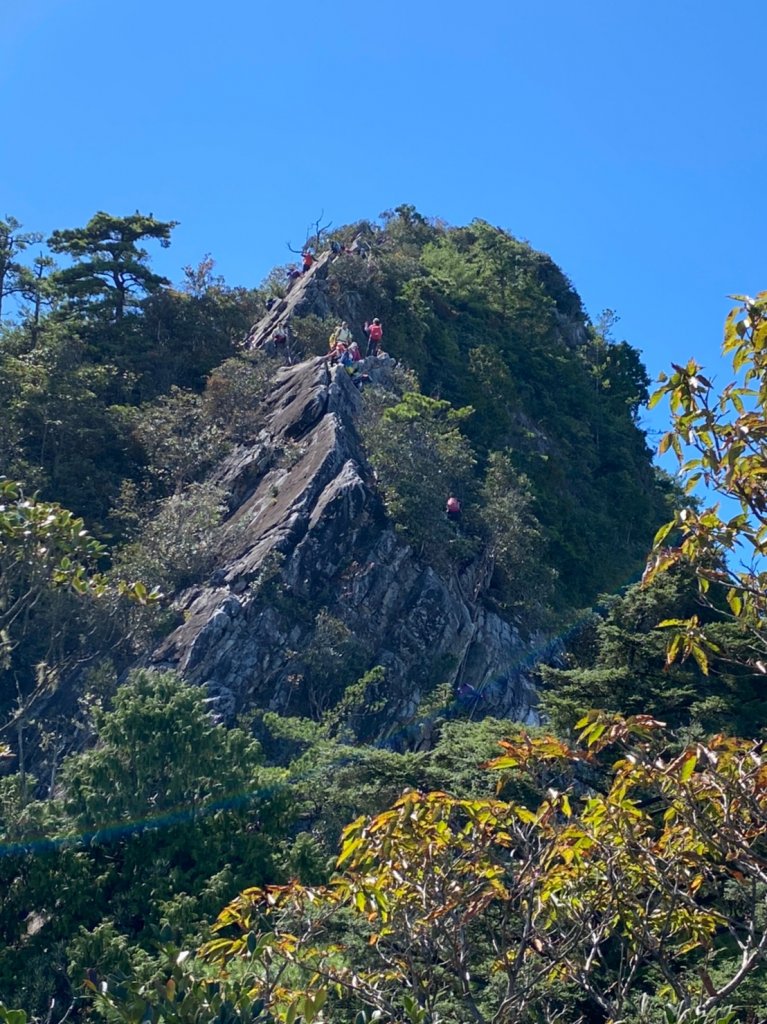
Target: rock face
{"type": "Point", "coordinates": [309, 541]}
{"type": "Point", "coordinates": [310, 294]}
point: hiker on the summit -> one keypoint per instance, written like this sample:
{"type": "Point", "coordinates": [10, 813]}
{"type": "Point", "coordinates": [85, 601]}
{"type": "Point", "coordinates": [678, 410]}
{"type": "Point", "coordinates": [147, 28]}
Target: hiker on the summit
{"type": "Point", "coordinates": [355, 352]}
{"type": "Point", "coordinates": [374, 332]}
{"type": "Point", "coordinates": [307, 259]}
{"type": "Point", "coordinates": [344, 334]}
{"type": "Point", "coordinates": [340, 334]}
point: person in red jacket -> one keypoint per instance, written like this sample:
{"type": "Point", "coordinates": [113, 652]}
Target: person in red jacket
{"type": "Point", "coordinates": [453, 510]}
{"type": "Point", "coordinates": [374, 332]}
{"type": "Point", "coordinates": [307, 259]}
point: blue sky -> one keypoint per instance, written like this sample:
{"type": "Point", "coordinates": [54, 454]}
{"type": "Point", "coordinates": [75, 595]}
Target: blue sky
{"type": "Point", "coordinates": [627, 139]}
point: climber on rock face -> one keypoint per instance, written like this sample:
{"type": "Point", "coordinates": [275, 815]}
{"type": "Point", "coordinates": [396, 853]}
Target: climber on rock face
{"type": "Point", "coordinates": [374, 332]}
{"type": "Point", "coordinates": [307, 259]}
{"type": "Point", "coordinates": [280, 341]}
{"type": "Point", "coordinates": [453, 510]}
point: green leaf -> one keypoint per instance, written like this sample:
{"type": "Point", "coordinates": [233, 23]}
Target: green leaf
{"type": "Point", "coordinates": [700, 657]}
{"type": "Point", "coordinates": [662, 533]}
{"type": "Point", "coordinates": [688, 768]}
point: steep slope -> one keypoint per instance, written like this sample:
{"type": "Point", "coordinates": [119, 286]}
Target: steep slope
{"type": "Point", "coordinates": [320, 586]}
{"type": "Point", "coordinates": [310, 546]}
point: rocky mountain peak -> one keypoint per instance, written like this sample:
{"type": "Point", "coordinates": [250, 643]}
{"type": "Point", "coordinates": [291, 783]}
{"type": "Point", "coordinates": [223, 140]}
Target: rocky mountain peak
{"type": "Point", "coordinates": [311, 553]}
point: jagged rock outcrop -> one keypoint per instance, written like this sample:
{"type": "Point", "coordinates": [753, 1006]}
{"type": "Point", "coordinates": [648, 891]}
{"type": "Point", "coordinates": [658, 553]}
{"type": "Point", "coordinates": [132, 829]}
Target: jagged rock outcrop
{"type": "Point", "coordinates": [310, 294]}
{"type": "Point", "coordinates": [308, 537]}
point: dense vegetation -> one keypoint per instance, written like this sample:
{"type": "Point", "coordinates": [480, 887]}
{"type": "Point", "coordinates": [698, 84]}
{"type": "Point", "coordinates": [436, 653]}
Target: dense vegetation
{"type": "Point", "coordinates": [488, 323]}
{"type": "Point", "coordinates": [120, 392]}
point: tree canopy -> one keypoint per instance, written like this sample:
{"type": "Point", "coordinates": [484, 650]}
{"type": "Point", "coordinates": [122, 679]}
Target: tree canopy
{"type": "Point", "coordinates": [110, 273]}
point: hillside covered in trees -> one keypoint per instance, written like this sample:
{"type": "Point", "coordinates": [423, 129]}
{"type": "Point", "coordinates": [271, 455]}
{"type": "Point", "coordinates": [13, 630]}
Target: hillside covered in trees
{"type": "Point", "coordinates": [234, 617]}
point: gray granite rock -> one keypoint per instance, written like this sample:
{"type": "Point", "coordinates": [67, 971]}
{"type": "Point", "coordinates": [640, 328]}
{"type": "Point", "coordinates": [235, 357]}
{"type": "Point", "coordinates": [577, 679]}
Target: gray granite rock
{"type": "Point", "coordinates": [309, 534]}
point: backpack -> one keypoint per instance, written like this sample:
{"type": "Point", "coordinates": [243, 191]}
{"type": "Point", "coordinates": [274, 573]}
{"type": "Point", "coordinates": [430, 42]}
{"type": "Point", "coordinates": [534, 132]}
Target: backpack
{"type": "Point", "coordinates": [376, 332]}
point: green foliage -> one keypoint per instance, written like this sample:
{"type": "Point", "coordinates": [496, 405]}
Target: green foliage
{"type": "Point", "coordinates": [15, 278]}
{"type": "Point", "coordinates": [165, 817]}
{"type": "Point", "coordinates": [333, 780]}
{"type": "Point", "coordinates": [485, 320]}
{"type": "Point", "coordinates": [118, 388]}
{"type": "Point", "coordinates": [332, 659]}
{"type": "Point", "coordinates": [178, 545]}
{"type": "Point", "coordinates": [522, 583]}
{"type": "Point", "coordinates": [12, 1016]}
{"type": "Point", "coordinates": [181, 990]}
{"type": "Point", "coordinates": [47, 564]}
{"type": "Point", "coordinates": [623, 666]}
{"type": "Point", "coordinates": [72, 370]}
{"type": "Point", "coordinates": [157, 720]}
{"type": "Point", "coordinates": [309, 334]}
{"type": "Point", "coordinates": [421, 458]}
{"type": "Point", "coordinates": [184, 335]}
{"type": "Point", "coordinates": [234, 392]}
{"type": "Point", "coordinates": [721, 442]}
{"type": "Point", "coordinates": [60, 433]}
{"type": "Point", "coordinates": [110, 270]}
{"type": "Point", "coordinates": [491, 909]}
{"type": "Point", "coordinates": [179, 439]}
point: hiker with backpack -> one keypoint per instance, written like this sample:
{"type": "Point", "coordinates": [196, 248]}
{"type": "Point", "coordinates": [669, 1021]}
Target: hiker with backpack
{"type": "Point", "coordinates": [340, 335]}
{"type": "Point", "coordinates": [344, 334]}
{"type": "Point", "coordinates": [374, 332]}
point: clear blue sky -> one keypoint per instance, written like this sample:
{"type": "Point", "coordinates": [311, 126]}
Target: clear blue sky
{"type": "Point", "coordinates": [627, 139]}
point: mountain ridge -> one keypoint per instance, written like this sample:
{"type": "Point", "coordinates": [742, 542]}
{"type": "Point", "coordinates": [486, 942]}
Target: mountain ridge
{"type": "Point", "coordinates": [323, 516]}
